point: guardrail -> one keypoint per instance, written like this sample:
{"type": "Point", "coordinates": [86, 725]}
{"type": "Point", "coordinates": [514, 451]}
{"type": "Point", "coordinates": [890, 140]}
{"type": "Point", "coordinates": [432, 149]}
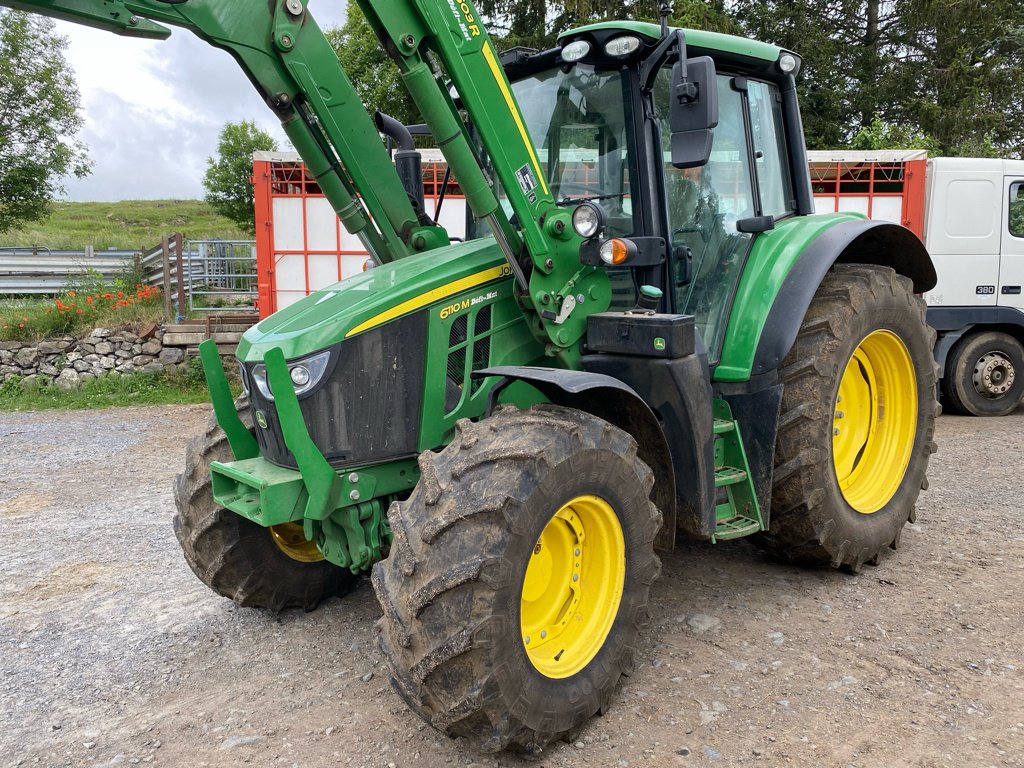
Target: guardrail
{"type": "Point", "coordinates": [43, 271]}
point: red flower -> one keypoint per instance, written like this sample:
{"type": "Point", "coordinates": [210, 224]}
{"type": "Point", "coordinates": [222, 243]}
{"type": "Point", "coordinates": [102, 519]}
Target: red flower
{"type": "Point", "coordinates": [71, 294]}
{"type": "Point", "coordinates": [119, 294]}
{"type": "Point", "coordinates": [78, 311]}
{"type": "Point", "coordinates": [89, 300]}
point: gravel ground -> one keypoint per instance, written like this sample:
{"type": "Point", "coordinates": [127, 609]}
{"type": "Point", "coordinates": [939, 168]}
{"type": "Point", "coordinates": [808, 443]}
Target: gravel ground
{"type": "Point", "coordinates": [114, 654]}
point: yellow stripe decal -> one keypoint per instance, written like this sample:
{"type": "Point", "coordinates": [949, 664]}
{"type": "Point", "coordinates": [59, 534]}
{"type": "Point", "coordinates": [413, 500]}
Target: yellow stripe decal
{"type": "Point", "coordinates": [411, 305]}
{"type": "Point", "coordinates": [500, 77]}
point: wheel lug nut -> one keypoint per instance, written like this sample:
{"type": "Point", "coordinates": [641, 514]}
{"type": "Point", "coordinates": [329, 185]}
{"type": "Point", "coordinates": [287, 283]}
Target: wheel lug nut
{"type": "Point", "coordinates": [543, 634]}
{"type": "Point", "coordinates": [577, 551]}
{"type": "Point", "coordinates": [835, 432]}
{"type": "Point", "coordinates": [527, 639]}
{"type": "Point", "coordinates": [840, 414]}
{"type": "Point", "coordinates": [575, 577]}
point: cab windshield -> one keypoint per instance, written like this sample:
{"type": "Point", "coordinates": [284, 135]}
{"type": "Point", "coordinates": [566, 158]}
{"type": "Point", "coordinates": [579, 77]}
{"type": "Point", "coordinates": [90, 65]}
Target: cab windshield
{"type": "Point", "coordinates": [579, 121]}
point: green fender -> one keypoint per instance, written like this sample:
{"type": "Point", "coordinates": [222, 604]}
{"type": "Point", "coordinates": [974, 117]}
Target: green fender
{"type": "Point", "coordinates": [785, 268]}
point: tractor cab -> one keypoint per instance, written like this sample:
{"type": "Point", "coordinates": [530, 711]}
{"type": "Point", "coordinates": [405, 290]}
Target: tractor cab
{"type": "Point", "coordinates": [605, 109]}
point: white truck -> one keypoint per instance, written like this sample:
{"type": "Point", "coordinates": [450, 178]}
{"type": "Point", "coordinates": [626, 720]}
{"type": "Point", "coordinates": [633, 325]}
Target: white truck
{"type": "Point", "coordinates": [970, 214]}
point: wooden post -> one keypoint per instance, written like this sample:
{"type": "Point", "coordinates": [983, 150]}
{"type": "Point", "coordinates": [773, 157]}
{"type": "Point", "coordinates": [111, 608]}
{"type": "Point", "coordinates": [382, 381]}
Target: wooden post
{"type": "Point", "coordinates": [179, 248]}
{"type": "Point", "coordinates": [165, 247]}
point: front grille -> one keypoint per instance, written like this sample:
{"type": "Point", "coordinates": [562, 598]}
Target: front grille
{"type": "Point", "coordinates": [368, 407]}
{"type": "Point", "coordinates": [477, 347]}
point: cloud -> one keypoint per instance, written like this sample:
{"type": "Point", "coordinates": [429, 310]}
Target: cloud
{"type": "Point", "coordinates": [153, 109]}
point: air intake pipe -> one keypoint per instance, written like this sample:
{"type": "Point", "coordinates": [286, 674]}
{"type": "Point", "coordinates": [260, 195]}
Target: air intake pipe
{"type": "Point", "coordinates": [408, 161]}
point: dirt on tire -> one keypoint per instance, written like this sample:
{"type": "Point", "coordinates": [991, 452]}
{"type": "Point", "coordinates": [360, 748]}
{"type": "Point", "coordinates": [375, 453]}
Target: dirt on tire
{"type": "Point", "coordinates": [114, 654]}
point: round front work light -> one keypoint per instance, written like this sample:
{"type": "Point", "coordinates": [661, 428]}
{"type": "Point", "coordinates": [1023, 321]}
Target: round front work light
{"type": "Point", "coordinates": [575, 51]}
{"type": "Point", "coordinates": [587, 220]}
{"type": "Point", "coordinates": [622, 46]}
{"type": "Point", "coordinates": [788, 63]}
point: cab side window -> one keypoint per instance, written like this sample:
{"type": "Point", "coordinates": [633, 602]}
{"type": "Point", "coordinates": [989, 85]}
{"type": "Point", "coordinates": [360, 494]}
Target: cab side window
{"type": "Point", "coordinates": [773, 177]}
{"type": "Point", "coordinates": [1016, 209]}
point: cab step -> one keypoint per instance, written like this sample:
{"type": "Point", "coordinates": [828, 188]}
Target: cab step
{"type": "Point", "coordinates": [737, 513]}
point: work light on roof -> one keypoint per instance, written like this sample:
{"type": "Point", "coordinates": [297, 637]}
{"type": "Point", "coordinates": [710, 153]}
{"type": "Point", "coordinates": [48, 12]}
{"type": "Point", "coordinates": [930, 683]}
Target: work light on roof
{"type": "Point", "coordinates": [622, 46]}
{"type": "Point", "coordinates": [788, 63]}
{"type": "Point", "coordinates": [575, 51]}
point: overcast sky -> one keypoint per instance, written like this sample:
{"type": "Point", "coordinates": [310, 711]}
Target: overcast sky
{"type": "Point", "coordinates": [153, 109]}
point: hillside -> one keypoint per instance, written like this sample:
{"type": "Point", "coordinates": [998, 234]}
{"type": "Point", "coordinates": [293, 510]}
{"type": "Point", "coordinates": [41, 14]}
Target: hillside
{"type": "Point", "coordinates": [124, 225]}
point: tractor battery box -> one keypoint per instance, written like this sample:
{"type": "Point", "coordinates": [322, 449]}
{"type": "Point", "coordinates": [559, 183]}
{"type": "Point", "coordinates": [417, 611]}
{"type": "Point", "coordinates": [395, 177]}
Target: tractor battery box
{"type": "Point", "coordinates": [644, 335]}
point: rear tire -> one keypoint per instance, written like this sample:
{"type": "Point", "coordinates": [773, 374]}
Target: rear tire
{"type": "Point", "coordinates": [847, 475]}
{"type": "Point", "coordinates": [477, 552]}
{"type": "Point", "coordinates": [985, 375]}
{"type": "Point", "coordinates": [234, 556]}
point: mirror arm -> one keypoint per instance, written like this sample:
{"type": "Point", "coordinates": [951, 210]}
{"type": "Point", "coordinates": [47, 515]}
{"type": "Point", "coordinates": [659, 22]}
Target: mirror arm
{"type": "Point", "coordinates": [649, 67]}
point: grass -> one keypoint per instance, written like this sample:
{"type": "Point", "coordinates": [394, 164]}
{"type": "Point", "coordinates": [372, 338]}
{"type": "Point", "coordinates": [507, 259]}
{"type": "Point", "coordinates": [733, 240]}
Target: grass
{"type": "Point", "coordinates": [111, 391]}
{"type": "Point", "coordinates": [125, 225]}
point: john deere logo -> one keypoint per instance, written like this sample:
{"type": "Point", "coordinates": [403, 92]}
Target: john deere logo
{"type": "Point", "coordinates": [659, 343]}
{"type": "Point", "coordinates": [261, 419]}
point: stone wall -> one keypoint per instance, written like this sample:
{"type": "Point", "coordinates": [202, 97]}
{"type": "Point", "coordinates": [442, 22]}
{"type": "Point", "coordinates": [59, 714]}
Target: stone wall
{"type": "Point", "coordinates": [69, 362]}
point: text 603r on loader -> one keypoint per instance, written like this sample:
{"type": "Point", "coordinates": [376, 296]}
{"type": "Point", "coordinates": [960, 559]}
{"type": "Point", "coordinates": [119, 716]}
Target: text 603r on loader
{"type": "Point", "coordinates": [651, 334]}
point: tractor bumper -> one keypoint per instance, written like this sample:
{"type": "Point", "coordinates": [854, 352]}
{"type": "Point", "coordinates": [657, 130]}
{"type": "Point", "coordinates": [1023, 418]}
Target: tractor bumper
{"type": "Point", "coordinates": [258, 490]}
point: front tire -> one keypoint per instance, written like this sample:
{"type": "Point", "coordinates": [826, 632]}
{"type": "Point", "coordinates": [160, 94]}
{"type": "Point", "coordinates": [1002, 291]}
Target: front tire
{"type": "Point", "coordinates": [857, 423]}
{"type": "Point", "coordinates": [272, 568]}
{"type": "Point", "coordinates": [519, 576]}
{"type": "Point", "coordinates": [985, 375]}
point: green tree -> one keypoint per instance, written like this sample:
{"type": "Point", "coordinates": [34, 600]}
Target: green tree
{"type": "Point", "coordinates": [374, 75]}
{"type": "Point", "coordinates": [964, 74]}
{"type": "Point", "coordinates": [39, 113]}
{"type": "Point", "coordinates": [228, 179]}
{"type": "Point", "coordinates": [882, 135]}
{"type": "Point", "coordinates": [537, 23]}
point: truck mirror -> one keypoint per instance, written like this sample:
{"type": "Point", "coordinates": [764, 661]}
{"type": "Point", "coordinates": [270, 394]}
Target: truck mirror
{"type": "Point", "coordinates": [693, 111]}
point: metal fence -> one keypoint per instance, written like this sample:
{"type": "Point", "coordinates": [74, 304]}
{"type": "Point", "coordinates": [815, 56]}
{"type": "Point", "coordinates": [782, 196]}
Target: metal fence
{"type": "Point", "coordinates": [220, 275]}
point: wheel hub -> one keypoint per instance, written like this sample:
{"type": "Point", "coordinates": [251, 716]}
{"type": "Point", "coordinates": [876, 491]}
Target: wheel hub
{"type": "Point", "coordinates": [572, 587]}
{"type": "Point", "coordinates": [993, 375]}
{"type": "Point", "coordinates": [291, 539]}
{"type": "Point", "coordinates": [874, 421]}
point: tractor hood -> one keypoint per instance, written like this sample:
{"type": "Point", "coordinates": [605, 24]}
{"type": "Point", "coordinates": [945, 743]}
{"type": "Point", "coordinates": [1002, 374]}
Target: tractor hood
{"type": "Point", "coordinates": [373, 298]}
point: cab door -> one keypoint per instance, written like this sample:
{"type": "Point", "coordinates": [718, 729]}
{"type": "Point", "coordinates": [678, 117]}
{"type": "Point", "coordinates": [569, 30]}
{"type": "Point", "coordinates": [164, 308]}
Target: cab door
{"type": "Point", "coordinates": [1011, 269]}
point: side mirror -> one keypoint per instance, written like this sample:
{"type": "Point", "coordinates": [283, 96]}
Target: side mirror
{"type": "Point", "coordinates": [693, 111]}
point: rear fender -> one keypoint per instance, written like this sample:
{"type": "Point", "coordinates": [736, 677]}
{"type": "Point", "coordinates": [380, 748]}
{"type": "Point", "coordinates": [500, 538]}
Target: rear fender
{"type": "Point", "coordinates": [607, 398]}
{"type": "Point", "coordinates": [846, 240]}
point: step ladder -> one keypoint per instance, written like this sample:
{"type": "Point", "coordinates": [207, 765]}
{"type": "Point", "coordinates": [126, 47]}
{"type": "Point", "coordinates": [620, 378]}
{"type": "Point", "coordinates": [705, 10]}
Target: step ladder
{"type": "Point", "coordinates": [737, 513]}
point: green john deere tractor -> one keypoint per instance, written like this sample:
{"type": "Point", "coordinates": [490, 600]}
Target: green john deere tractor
{"type": "Point", "coordinates": [648, 333]}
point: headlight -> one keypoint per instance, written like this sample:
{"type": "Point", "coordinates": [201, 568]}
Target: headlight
{"type": "Point", "coordinates": [587, 219]}
{"type": "Point", "coordinates": [575, 51]}
{"type": "Point", "coordinates": [622, 46]}
{"type": "Point", "coordinates": [305, 374]}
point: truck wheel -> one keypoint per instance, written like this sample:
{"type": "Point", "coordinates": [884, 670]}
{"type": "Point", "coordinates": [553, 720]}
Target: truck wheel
{"type": "Point", "coordinates": [857, 423]}
{"type": "Point", "coordinates": [273, 568]}
{"type": "Point", "coordinates": [518, 576]}
{"type": "Point", "coordinates": [985, 375]}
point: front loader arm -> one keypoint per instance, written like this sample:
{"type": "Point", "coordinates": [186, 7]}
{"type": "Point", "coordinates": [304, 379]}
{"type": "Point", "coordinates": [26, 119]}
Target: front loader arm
{"type": "Point", "coordinates": [287, 58]}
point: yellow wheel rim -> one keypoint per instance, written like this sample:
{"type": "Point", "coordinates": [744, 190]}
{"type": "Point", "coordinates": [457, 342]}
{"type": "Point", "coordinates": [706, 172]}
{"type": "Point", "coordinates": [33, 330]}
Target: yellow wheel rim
{"type": "Point", "coordinates": [573, 587]}
{"type": "Point", "coordinates": [874, 422]}
{"type": "Point", "coordinates": [290, 539]}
